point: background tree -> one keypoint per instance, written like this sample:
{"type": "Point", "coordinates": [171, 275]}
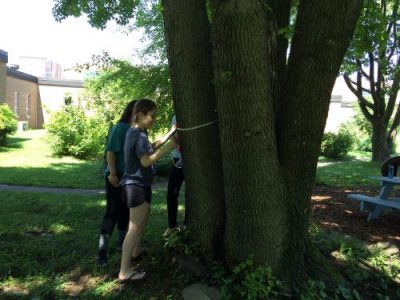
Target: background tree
{"type": "Point", "coordinates": [373, 58]}
{"type": "Point", "coordinates": [250, 176]}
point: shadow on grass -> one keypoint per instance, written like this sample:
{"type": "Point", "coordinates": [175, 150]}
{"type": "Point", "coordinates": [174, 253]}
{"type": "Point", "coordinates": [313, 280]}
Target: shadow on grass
{"type": "Point", "coordinates": [48, 247]}
{"type": "Point", "coordinates": [69, 175]}
{"type": "Point", "coordinates": [13, 143]}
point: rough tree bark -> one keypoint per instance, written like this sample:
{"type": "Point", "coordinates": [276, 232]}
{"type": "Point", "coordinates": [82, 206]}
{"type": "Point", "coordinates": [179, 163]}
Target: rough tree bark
{"type": "Point", "coordinates": [272, 115]}
{"type": "Point", "coordinates": [322, 33]}
{"type": "Point", "coordinates": [244, 40]}
{"type": "Point", "coordinates": [189, 52]}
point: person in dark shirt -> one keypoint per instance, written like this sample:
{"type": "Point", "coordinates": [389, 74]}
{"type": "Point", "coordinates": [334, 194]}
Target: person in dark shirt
{"type": "Point", "coordinates": [140, 155]}
{"type": "Point", "coordinates": [175, 181]}
{"type": "Point", "coordinates": [116, 213]}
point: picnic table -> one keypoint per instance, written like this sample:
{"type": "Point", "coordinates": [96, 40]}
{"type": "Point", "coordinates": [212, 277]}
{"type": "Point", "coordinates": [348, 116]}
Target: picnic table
{"type": "Point", "coordinates": [380, 202]}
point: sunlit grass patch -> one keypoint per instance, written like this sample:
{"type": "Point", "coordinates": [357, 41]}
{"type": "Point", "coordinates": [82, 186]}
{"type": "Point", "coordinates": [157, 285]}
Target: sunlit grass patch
{"type": "Point", "coordinates": [27, 160]}
{"type": "Point", "coordinates": [348, 173]}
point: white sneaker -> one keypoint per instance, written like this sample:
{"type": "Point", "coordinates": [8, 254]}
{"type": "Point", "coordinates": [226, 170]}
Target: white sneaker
{"type": "Point", "coordinates": [169, 231]}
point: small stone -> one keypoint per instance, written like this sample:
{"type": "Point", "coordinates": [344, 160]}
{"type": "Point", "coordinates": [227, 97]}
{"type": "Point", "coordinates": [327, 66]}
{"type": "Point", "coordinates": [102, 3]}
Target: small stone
{"type": "Point", "coordinates": [386, 247]}
{"type": "Point", "coordinates": [190, 266]}
{"type": "Point", "coordinates": [200, 291]}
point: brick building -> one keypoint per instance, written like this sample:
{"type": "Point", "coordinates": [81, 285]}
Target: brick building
{"type": "Point", "coordinates": [32, 98]}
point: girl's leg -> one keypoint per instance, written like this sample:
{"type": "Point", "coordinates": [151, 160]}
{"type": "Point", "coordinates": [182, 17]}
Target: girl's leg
{"type": "Point", "coordinates": [137, 221]}
{"type": "Point", "coordinates": [122, 224]}
{"type": "Point", "coordinates": [174, 185]}
{"type": "Point", "coordinates": [113, 197]}
{"type": "Point", "coordinates": [137, 250]}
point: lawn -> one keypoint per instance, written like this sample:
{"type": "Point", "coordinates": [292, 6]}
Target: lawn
{"type": "Point", "coordinates": [349, 173]}
{"type": "Point", "coordinates": [48, 248]}
{"type": "Point", "coordinates": [48, 242]}
{"type": "Point", "coordinates": [26, 160]}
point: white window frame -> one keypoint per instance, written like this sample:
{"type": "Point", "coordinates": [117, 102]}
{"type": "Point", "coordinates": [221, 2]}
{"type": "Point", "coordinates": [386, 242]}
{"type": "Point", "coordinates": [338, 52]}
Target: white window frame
{"type": "Point", "coordinates": [28, 105]}
{"type": "Point", "coordinates": [16, 103]}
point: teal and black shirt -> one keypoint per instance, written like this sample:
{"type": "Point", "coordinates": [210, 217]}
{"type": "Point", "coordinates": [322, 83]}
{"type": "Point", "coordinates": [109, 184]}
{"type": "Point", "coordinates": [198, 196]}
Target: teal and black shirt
{"type": "Point", "coordinates": [115, 144]}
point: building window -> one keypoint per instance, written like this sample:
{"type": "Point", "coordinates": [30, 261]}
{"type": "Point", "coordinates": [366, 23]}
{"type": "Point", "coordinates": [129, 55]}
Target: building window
{"type": "Point", "coordinates": [28, 105]}
{"type": "Point", "coordinates": [16, 104]}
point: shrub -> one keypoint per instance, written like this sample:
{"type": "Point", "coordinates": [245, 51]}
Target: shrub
{"type": "Point", "coordinates": [72, 132]}
{"type": "Point", "coordinates": [362, 138]}
{"type": "Point", "coordinates": [8, 123]}
{"type": "Point", "coordinates": [336, 145]}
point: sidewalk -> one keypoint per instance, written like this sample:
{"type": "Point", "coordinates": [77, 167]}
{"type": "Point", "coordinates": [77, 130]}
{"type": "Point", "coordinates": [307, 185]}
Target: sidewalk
{"type": "Point", "coordinates": [54, 190]}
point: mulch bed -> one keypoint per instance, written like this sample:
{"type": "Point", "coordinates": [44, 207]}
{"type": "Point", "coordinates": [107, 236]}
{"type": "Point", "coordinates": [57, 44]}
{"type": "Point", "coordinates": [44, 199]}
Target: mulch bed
{"type": "Point", "coordinates": [332, 210]}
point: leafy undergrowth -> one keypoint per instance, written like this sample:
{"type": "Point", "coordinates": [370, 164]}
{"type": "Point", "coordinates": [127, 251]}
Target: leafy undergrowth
{"type": "Point", "coordinates": [369, 271]}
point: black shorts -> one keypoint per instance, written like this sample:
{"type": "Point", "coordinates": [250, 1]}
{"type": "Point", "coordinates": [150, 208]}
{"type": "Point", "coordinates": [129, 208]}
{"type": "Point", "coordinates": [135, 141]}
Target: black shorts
{"type": "Point", "coordinates": [134, 195]}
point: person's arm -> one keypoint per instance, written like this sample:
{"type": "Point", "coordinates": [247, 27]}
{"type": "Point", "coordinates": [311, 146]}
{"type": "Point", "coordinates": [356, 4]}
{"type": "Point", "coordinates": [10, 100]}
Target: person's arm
{"type": "Point", "coordinates": [112, 165]}
{"type": "Point", "coordinates": [147, 160]}
{"type": "Point", "coordinates": [160, 141]}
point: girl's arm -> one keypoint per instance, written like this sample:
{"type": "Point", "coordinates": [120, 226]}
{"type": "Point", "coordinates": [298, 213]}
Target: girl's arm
{"type": "Point", "coordinates": [112, 165]}
{"type": "Point", "coordinates": [147, 160]}
{"type": "Point", "coordinates": [159, 142]}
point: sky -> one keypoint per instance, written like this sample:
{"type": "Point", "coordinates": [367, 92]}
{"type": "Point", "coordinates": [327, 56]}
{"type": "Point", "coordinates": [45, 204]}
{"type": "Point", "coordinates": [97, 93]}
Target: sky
{"type": "Point", "coordinates": [28, 28]}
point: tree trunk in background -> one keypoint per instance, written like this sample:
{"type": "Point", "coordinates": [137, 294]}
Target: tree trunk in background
{"type": "Point", "coordinates": [189, 53]}
{"type": "Point", "coordinates": [380, 149]}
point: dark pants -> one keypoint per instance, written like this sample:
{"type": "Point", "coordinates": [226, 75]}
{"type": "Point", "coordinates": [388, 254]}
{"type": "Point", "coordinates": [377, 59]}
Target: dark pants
{"type": "Point", "coordinates": [115, 211]}
{"type": "Point", "coordinates": [174, 185]}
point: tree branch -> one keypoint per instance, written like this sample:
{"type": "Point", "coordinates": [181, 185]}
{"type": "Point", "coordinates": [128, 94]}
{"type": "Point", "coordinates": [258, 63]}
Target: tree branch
{"type": "Point", "coordinates": [371, 72]}
{"type": "Point", "coordinates": [360, 68]}
{"type": "Point", "coordinates": [350, 84]}
{"type": "Point", "coordinates": [394, 89]}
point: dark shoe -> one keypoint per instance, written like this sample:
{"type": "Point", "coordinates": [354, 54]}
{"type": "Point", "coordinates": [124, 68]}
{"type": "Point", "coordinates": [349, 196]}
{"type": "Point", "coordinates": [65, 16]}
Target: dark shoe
{"type": "Point", "coordinates": [120, 239]}
{"type": "Point", "coordinates": [169, 231]}
{"type": "Point", "coordinates": [102, 259]}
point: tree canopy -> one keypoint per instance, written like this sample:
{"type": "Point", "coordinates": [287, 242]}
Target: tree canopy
{"type": "Point", "coordinates": [373, 57]}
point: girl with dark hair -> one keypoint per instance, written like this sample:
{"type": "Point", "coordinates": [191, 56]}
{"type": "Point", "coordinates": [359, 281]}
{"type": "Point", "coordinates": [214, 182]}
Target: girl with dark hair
{"type": "Point", "coordinates": [140, 155]}
{"type": "Point", "coordinates": [116, 212]}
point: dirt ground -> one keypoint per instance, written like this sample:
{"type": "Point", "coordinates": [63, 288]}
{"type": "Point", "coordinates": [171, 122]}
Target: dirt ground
{"type": "Point", "coordinates": [332, 210]}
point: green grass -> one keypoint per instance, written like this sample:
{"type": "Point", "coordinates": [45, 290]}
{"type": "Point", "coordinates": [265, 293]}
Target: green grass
{"type": "Point", "coordinates": [27, 160]}
{"type": "Point", "coordinates": [48, 247]}
{"type": "Point", "coordinates": [344, 174]}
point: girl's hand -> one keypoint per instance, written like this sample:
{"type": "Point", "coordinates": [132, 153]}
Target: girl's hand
{"type": "Point", "coordinates": [172, 132]}
{"type": "Point", "coordinates": [114, 180]}
{"type": "Point", "coordinates": [173, 129]}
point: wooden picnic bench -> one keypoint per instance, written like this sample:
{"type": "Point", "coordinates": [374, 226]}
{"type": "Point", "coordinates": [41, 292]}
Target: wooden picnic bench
{"type": "Point", "coordinates": [382, 201]}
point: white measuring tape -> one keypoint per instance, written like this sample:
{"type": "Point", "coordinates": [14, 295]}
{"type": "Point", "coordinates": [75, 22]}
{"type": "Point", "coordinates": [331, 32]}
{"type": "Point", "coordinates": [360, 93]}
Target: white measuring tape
{"type": "Point", "coordinates": [196, 127]}
{"type": "Point", "coordinates": [189, 129]}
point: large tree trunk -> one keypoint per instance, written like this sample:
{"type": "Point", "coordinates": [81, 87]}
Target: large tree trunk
{"type": "Point", "coordinates": [270, 131]}
{"type": "Point", "coordinates": [189, 53]}
{"type": "Point", "coordinates": [244, 38]}
{"type": "Point", "coordinates": [380, 149]}
{"type": "Point", "coordinates": [322, 33]}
